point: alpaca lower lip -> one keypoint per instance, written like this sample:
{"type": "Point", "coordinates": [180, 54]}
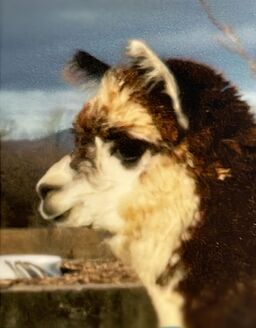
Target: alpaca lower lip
{"type": "Point", "coordinates": [62, 217]}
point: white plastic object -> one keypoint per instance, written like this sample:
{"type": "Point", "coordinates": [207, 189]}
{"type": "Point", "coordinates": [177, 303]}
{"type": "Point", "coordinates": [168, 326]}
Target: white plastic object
{"type": "Point", "coordinates": [29, 266]}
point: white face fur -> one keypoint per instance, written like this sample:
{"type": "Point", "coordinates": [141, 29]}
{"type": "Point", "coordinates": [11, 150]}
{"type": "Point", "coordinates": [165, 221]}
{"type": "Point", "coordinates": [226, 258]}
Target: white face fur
{"type": "Point", "coordinates": [129, 185]}
{"type": "Point", "coordinates": [89, 196]}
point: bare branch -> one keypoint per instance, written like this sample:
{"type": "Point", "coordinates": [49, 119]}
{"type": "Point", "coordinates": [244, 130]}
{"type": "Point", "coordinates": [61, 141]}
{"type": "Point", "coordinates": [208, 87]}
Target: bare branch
{"type": "Point", "coordinates": [232, 41]}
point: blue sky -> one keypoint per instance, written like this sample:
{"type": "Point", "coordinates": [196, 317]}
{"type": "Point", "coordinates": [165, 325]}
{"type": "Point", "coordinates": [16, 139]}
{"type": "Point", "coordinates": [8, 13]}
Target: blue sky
{"type": "Point", "coordinates": [39, 36]}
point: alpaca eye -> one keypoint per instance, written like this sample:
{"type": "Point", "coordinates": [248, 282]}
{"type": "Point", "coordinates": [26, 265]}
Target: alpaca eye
{"type": "Point", "coordinates": [129, 151]}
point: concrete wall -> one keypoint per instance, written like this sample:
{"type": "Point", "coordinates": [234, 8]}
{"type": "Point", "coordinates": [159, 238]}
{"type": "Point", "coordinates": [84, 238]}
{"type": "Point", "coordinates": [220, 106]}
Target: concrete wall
{"type": "Point", "coordinates": [66, 242]}
{"type": "Point", "coordinates": [75, 306]}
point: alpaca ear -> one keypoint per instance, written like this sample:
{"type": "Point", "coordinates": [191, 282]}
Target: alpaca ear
{"type": "Point", "coordinates": [155, 70]}
{"type": "Point", "coordinates": [83, 68]}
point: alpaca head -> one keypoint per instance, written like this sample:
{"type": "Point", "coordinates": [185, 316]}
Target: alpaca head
{"type": "Point", "coordinates": [125, 161]}
{"type": "Point", "coordinates": [121, 134]}
{"type": "Point", "coordinates": [128, 173]}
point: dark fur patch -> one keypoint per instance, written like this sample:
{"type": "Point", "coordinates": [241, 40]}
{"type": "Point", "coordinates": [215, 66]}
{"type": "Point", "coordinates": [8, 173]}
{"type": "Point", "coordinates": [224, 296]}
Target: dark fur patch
{"type": "Point", "coordinates": [92, 66]}
{"type": "Point", "coordinates": [220, 258]}
{"type": "Point", "coordinates": [84, 67]}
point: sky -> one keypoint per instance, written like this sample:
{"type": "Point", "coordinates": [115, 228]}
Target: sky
{"type": "Point", "coordinates": [38, 37]}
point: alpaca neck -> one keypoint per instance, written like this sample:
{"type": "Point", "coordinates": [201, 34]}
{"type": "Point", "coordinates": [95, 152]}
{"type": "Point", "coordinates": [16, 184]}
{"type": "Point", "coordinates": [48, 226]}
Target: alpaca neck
{"type": "Point", "coordinates": [167, 303]}
{"type": "Point", "coordinates": [149, 263]}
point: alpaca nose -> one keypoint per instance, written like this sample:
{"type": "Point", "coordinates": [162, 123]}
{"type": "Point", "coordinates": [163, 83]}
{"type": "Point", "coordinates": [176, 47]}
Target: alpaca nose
{"type": "Point", "coordinates": [44, 189]}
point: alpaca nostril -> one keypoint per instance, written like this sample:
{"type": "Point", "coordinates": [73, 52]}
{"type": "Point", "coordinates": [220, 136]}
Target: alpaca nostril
{"type": "Point", "coordinates": [44, 189]}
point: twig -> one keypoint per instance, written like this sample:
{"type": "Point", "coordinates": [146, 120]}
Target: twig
{"type": "Point", "coordinates": [233, 43]}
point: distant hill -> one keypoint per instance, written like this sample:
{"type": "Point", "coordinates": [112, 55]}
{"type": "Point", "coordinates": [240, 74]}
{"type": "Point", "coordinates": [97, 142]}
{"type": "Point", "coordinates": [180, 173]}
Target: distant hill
{"type": "Point", "coordinates": [23, 162]}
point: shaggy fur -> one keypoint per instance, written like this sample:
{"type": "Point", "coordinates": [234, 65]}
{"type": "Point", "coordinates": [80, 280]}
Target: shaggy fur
{"type": "Point", "coordinates": [220, 287]}
{"type": "Point", "coordinates": [172, 156]}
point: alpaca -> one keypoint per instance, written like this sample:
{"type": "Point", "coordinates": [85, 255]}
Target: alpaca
{"type": "Point", "coordinates": [164, 161]}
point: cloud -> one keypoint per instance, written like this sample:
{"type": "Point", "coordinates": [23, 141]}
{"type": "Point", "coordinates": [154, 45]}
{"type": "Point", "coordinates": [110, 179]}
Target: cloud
{"type": "Point", "coordinates": [32, 114]}
{"type": "Point", "coordinates": [35, 113]}
{"type": "Point", "coordinates": [250, 97]}
{"type": "Point", "coordinates": [247, 34]}
{"type": "Point", "coordinates": [80, 16]}
{"type": "Point", "coordinates": [38, 37]}
{"type": "Point", "coordinates": [198, 39]}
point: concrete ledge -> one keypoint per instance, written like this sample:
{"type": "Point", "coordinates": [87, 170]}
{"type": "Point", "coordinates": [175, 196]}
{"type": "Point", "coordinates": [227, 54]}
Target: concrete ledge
{"type": "Point", "coordinates": [87, 306]}
{"type": "Point", "coordinates": [75, 243]}
{"type": "Point", "coordinates": [77, 287]}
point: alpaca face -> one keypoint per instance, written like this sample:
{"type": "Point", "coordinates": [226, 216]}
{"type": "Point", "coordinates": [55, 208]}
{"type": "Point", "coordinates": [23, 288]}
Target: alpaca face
{"type": "Point", "coordinates": [88, 188]}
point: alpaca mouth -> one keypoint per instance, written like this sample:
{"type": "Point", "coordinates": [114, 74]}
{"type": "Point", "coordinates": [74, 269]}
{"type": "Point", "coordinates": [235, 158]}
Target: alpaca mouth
{"type": "Point", "coordinates": [62, 217]}
{"type": "Point", "coordinates": [52, 217]}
